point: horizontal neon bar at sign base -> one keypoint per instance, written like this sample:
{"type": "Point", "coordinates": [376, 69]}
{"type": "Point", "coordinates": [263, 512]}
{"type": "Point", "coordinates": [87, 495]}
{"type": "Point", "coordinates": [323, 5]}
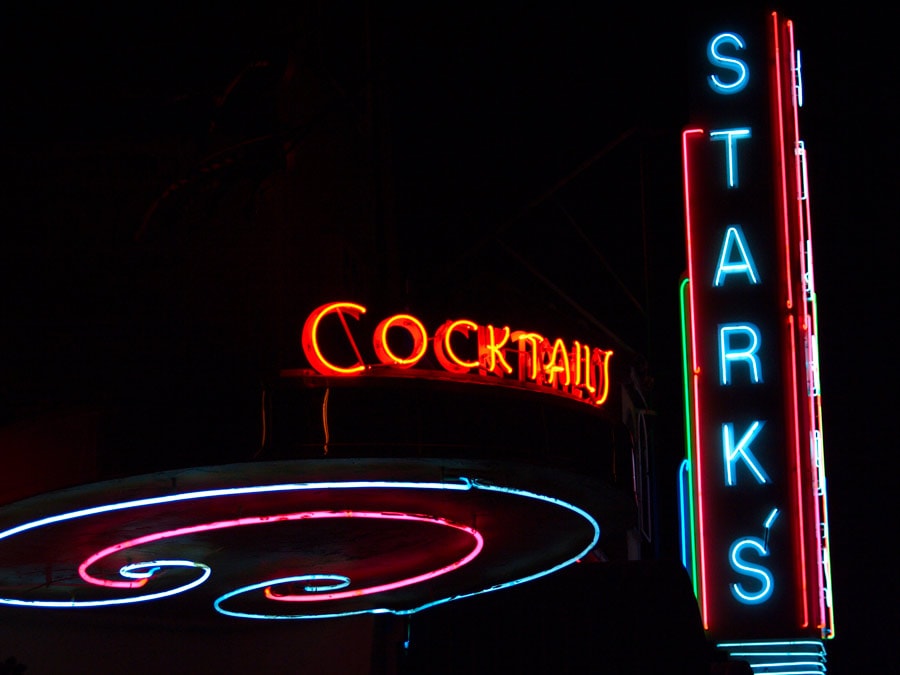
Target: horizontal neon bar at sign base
{"type": "Point", "coordinates": [780, 657]}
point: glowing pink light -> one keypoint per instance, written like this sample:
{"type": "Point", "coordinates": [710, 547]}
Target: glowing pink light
{"type": "Point", "coordinates": [792, 386]}
{"type": "Point", "coordinates": [339, 595]}
{"type": "Point", "coordinates": [278, 518]}
{"type": "Point", "coordinates": [803, 241]}
{"type": "Point", "coordinates": [137, 573]}
{"type": "Point", "coordinates": [687, 136]}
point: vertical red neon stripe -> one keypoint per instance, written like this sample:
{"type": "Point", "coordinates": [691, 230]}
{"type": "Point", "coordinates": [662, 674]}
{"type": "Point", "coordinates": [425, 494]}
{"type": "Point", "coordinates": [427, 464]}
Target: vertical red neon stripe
{"type": "Point", "coordinates": [778, 134]}
{"type": "Point", "coordinates": [804, 242]}
{"type": "Point", "coordinates": [686, 137]}
{"type": "Point", "coordinates": [784, 211]}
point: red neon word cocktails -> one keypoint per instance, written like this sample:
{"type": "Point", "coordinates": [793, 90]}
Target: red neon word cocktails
{"type": "Point", "coordinates": [462, 348]}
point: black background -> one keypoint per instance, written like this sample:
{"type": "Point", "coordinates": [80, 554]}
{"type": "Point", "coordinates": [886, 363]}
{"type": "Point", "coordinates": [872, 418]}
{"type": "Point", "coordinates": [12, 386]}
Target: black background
{"type": "Point", "coordinates": [487, 107]}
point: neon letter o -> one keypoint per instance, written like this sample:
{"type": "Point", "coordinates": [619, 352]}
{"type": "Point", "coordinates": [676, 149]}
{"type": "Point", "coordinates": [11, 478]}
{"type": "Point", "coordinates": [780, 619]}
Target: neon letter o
{"type": "Point", "coordinates": [414, 327]}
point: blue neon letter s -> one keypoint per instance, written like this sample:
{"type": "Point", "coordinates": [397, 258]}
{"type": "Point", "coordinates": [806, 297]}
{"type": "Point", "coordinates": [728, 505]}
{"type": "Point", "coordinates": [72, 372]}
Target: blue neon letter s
{"type": "Point", "coordinates": [736, 66]}
{"type": "Point", "coordinates": [757, 572]}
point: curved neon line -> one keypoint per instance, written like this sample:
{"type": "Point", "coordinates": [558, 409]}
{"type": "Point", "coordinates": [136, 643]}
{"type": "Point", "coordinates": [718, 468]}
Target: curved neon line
{"type": "Point", "coordinates": [254, 520]}
{"type": "Point", "coordinates": [271, 595]}
{"type": "Point", "coordinates": [139, 578]}
{"type": "Point", "coordinates": [302, 515]}
{"type": "Point", "coordinates": [604, 357]}
{"type": "Point", "coordinates": [757, 572]}
{"type": "Point", "coordinates": [279, 518]}
{"type": "Point", "coordinates": [129, 570]}
{"type": "Point", "coordinates": [469, 557]}
{"type": "Point", "coordinates": [123, 601]}
{"type": "Point", "coordinates": [408, 323]}
{"type": "Point", "coordinates": [464, 484]}
{"type": "Point", "coordinates": [340, 582]}
{"type": "Point", "coordinates": [310, 338]}
{"type": "Point", "coordinates": [475, 484]}
{"type": "Point", "coordinates": [537, 575]}
{"type": "Point", "coordinates": [463, 326]}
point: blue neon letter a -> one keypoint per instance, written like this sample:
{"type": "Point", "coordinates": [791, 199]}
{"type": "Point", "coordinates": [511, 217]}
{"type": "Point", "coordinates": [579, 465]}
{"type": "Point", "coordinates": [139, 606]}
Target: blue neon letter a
{"type": "Point", "coordinates": [735, 257]}
{"type": "Point", "coordinates": [730, 63]}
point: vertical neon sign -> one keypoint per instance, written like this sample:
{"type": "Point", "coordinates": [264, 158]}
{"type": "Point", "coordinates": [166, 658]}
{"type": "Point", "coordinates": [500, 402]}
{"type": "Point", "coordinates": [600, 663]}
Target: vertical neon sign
{"type": "Point", "coordinates": [754, 498]}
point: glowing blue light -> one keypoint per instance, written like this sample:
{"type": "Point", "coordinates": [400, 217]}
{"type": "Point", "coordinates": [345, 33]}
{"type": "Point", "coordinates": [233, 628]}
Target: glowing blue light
{"type": "Point", "coordinates": [758, 572]}
{"type": "Point", "coordinates": [340, 581]}
{"type": "Point", "coordinates": [464, 484]}
{"type": "Point", "coordinates": [146, 570]}
{"type": "Point", "coordinates": [684, 486]}
{"type": "Point", "coordinates": [130, 571]}
{"type": "Point", "coordinates": [734, 65]}
{"type": "Point", "coordinates": [731, 453]}
{"type": "Point", "coordinates": [787, 657]}
{"type": "Point", "coordinates": [730, 137]}
{"type": "Point", "coordinates": [734, 239]}
{"type": "Point", "coordinates": [474, 484]}
{"type": "Point", "coordinates": [729, 354]}
{"type": "Point", "coordinates": [771, 519]}
{"type": "Point", "coordinates": [158, 564]}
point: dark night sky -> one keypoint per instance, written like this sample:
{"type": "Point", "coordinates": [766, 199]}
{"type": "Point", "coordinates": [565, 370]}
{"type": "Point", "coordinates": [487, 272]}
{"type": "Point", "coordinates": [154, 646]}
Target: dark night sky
{"type": "Point", "coordinates": [487, 108]}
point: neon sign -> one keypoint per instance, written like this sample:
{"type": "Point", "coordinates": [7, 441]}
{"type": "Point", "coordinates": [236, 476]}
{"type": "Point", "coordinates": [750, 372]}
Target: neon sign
{"type": "Point", "coordinates": [129, 571]}
{"type": "Point", "coordinates": [754, 516]}
{"type": "Point", "coordinates": [737, 67]}
{"type": "Point", "coordinates": [463, 350]}
{"type": "Point", "coordinates": [797, 657]}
